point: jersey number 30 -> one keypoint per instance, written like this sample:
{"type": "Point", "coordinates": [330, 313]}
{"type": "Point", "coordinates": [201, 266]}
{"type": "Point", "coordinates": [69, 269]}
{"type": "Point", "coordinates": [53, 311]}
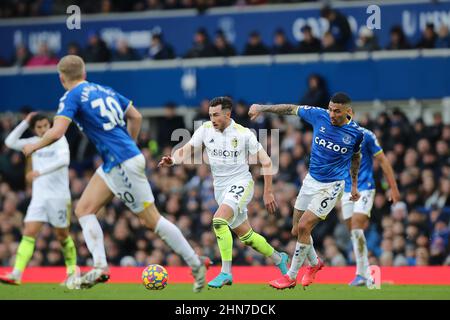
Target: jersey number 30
{"type": "Point", "coordinates": [110, 110]}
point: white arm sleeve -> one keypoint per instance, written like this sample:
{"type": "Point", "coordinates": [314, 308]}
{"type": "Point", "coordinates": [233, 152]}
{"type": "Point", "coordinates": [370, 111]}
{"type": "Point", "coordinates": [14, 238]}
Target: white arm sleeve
{"type": "Point", "coordinates": [62, 157]}
{"type": "Point", "coordinates": [197, 137]}
{"type": "Point", "coordinates": [13, 140]}
{"type": "Point", "coordinates": [253, 144]}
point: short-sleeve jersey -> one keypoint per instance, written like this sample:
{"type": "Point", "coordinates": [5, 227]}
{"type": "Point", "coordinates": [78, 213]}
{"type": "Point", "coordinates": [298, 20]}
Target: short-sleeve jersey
{"type": "Point", "coordinates": [100, 113]}
{"type": "Point", "coordinates": [227, 151]}
{"type": "Point", "coordinates": [332, 146]}
{"type": "Point", "coordinates": [370, 148]}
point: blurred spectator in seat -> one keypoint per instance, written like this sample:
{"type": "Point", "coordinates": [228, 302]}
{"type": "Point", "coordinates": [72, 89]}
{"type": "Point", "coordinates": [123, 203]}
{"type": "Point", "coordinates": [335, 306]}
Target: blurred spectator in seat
{"type": "Point", "coordinates": [96, 50]}
{"type": "Point", "coordinates": [281, 44]}
{"type": "Point", "coordinates": [309, 44]}
{"type": "Point", "coordinates": [124, 52]}
{"type": "Point", "coordinates": [240, 114]}
{"type": "Point", "coordinates": [203, 111]}
{"type": "Point", "coordinates": [429, 36]}
{"type": "Point", "coordinates": [106, 6]}
{"type": "Point", "coordinates": [422, 256]}
{"type": "Point", "coordinates": [443, 39]}
{"type": "Point", "coordinates": [367, 41]}
{"type": "Point", "coordinates": [329, 43]}
{"type": "Point", "coordinates": [317, 93]}
{"type": "Point", "coordinates": [338, 27]}
{"type": "Point", "coordinates": [202, 46]}
{"type": "Point", "coordinates": [44, 57]}
{"type": "Point", "coordinates": [398, 39]}
{"type": "Point", "coordinates": [440, 198]}
{"type": "Point", "coordinates": [159, 49]}
{"type": "Point", "coordinates": [150, 5]}
{"type": "Point", "coordinates": [74, 48]}
{"type": "Point", "coordinates": [222, 48]}
{"type": "Point", "coordinates": [169, 123]}
{"type": "Point", "coordinates": [171, 4]}
{"type": "Point", "coordinates": [21, 57]}
{"type": "Point", "coordinates": [255, 46]}
{"type": "Point", "coordinates": [435, 130]}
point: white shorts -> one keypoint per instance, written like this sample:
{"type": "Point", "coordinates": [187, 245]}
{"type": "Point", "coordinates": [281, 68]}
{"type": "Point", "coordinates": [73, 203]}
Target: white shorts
{"type": "Point", "coordinates": [129, 183]}
{"type": "Point", "coordinates": [363, 205]}
{"type": "Point", "coordinates": [54, 211]}
{"type": "Point", "coordinates": [237, 196]}
{"type": "Point", "coordinates": [319, 197]}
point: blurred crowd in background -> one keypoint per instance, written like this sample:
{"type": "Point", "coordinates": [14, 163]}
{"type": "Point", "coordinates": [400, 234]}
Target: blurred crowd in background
{"type": "Point", "coordinates": [413, 232]}
{"type": "Point", "coordinates": [35, 8]}
{"type": "Point", "coordinates": [338, 38]}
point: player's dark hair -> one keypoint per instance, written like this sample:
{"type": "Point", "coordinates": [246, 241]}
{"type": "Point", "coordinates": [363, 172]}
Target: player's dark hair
{"type": "Point", "coordinates": [341, 98]}
{"type": "Point", "coordinates": [226, 103]}
{"type": "Point", "coordinates": [36, 118]}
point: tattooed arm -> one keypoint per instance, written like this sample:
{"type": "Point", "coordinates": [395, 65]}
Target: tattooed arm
{"type": "Point", "coordinates": [354, 170]}
{"type": "Point", "coordinates": [282, 109]}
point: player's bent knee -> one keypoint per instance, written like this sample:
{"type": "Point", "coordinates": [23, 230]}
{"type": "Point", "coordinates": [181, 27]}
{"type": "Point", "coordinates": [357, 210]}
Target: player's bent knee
{"type": "Point", "coordinates": [149, 217]}
{"type": "Point", "coordinates": [61, 234]}
{"type": "Point", "coordinates": [31, 230]}
{"type": "Point", "coordinates": [303, 229]}
{"type": "Point", "coordinates": [30, 233]}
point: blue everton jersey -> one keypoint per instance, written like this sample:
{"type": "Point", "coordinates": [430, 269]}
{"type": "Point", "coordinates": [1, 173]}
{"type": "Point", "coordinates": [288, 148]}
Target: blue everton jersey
{"type": "Point", "coordinates": [100, 113]}
{"type": "Point", "coordinates": [370, 148]}
{"type": "Point", "coordinates": [332, 146]}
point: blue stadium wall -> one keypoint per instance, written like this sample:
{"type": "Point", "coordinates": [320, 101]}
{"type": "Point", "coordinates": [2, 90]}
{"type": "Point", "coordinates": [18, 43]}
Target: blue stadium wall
{"type": "Point", "coordinates": [390, 78]}
{"type": "Point", "coordinates": [394, 76]}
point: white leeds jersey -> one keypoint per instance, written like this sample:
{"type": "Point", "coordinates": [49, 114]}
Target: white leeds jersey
{"type": "Point", "coordinates": [227, 151]}
{"type": "Point", "coordinates": [51, 162]}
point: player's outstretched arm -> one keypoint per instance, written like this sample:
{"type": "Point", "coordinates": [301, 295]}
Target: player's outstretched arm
{"type": "Point", "coordinates": [59, 128]}
{"type": "Point", "coordinates": [282, 109]}
{"type": "Point", "coordinates": [134, 120]}
{"type": "Point", "coordinates": [354, 170]}
{"type": "Point", "coordinates": [390, 177]}
{"type": "Point", "coordinates": [179, 156]}
{"type": "Point", "coordinates": [13, 140]}
{"type": "Point", "coordinates": [266, 164]}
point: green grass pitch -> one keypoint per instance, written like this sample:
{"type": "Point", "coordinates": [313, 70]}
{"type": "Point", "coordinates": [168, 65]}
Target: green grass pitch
{"type": "Point", "coordinates": [234, 292]}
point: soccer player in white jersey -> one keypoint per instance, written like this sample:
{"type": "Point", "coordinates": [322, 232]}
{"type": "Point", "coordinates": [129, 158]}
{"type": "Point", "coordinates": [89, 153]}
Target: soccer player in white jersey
{"type": "Point", "coordinates": [357, 214]}
{"type": "Point", "coordinates": [112, 123]}
{"type": "Point", "coordinates": [335, 150]}
{"type": "Point", "coordinates": [50, 201]}
{"type": "Point", "coordinates": [228, 146]}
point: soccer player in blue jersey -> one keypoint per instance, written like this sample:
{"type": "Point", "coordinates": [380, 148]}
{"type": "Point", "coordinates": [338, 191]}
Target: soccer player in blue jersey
{"type": "Point", "coordinates": [112, 123]}
{"type": "Point", "coordinates": [357, 214]}
{"type": "Point", "coordinates": [335, 151]}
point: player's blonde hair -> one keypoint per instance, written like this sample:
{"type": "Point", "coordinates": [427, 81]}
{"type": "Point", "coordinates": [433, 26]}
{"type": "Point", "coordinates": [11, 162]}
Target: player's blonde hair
{"type": "Point", "coordinates": [72, 67]}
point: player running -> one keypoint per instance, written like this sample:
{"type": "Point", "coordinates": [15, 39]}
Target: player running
{"type": "Point", "coordinates": [335, 150]}
{"type": "Point", "coordinates": [357, 214]}
{"type": "Point", "coordinates": [50, 200]}
{"type": "Point", "coordinates": [228, 146]}
{"type": "Point", "coordinates": [112, 123]}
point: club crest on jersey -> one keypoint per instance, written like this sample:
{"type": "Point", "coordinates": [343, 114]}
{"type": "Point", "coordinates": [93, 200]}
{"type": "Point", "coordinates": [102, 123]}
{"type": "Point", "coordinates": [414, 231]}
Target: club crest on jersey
{"type": "Point", "coordinates": [234, 142]}
{"type": "Point", "coordinates": [347, 139]}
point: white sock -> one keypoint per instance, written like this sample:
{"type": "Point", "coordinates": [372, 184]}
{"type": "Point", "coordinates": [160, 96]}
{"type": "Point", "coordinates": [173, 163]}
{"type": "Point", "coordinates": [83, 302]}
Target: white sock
{"type": "Point", "coordinates": [175, 239]}
{"type": "Point", "coordinates": [276, 257]}
{"type": "Point", "coordinates": [360, 250]}
{"type": "Point", "coordinates": [226, 267]}
{"type": "Point", "coordinates": [312, 255]}
{"type": "Point", "coordinates": [93, 236]}
{"type": "Point", "coordinates": [301, 251]}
